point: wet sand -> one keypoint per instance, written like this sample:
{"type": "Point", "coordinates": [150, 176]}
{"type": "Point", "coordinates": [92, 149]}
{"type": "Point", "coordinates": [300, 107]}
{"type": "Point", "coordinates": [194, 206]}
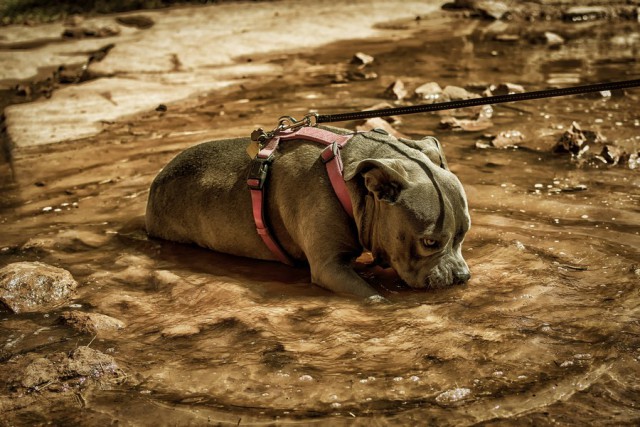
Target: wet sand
{"type": "Point", "coordinates": [546, 332]}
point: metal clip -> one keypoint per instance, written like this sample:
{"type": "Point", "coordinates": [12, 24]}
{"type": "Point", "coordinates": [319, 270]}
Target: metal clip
{"type": "Point", "coordinates": [257, 175]}
{"type": "Point", "coordinates": [284, 123]}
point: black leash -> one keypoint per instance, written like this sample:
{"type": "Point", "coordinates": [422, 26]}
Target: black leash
{"type": "Point", "coordinates": [260, 136]}
{"type": "Point", "coordinates": [499, 99]}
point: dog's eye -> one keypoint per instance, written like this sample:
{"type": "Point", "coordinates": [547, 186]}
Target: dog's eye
{"type": "Point", "coordinates": [429, 243]}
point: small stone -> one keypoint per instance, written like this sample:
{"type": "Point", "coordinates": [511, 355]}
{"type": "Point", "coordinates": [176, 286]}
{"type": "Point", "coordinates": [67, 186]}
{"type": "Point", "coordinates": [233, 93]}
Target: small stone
{"type": "Point", "coordinates": [430, 92]}
{"type": "Point", "coordinates": [584, 13]}
{"type": "Point", "coordinates": [504, 89]}
{"type": "Point", "coordinates": [384, 106]}
{"type": "Point", "coordinates": [362, 59]}
{"type": "Point", "coordinates": [379, 123]}
{"type": "Point", "coordinates": [360, 75]}
{"type": "Point", "coordinates": [453, 395]}
{"type": "Point", "coordinates": [467, 125]}
{"type": "Point", "coordinates": [455, 93]}
{"type": "Point", "coordinates": [34, 286]}
{"type": "Point", "coordinates": [140, 22]}
{"type": "Point", "coordinates": [161, 108]}
{"type": "Point", "coordinates": [552, 39]}
{"type": "Point", "coordinates": [576, 141]}
{"type": "Point", "coordinates": [507, 38]}
{"type": "Point", "coordinates": [507, 139]}
{"type": "Point", "coordinates": [613, 155]}
{"type": "Point", "coordinates": [396, 90]}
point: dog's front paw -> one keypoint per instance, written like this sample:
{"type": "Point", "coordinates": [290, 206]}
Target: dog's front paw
{"type": "Point", "coordinates": [377, 299]}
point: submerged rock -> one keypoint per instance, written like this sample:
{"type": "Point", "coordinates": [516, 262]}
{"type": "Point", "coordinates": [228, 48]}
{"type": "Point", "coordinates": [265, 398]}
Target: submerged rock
{"type": "Point", "coordinates": [63, 371]}
{"type": "Point", "coordinates": [576, 141]}
{"type": "Point", "coordinates": [34, 286]}
{"type": "Point", "coordinates": [91, 323]}
{"type": "Point", "coordinates": [453, 395]}
{"type": "Point", "coordinates": [469, 125]}
{"type": "Point", "coordinates": [505, 139]}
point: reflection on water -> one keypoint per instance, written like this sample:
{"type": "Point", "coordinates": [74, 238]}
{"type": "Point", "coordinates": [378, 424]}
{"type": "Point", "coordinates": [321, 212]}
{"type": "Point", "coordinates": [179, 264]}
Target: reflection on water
{"type": "Point", "coordinates": [546, 331]}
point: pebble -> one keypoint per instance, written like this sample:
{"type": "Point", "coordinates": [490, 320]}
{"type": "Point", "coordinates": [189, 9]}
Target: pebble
{"type": "Point", "coordinates": [453, 395]}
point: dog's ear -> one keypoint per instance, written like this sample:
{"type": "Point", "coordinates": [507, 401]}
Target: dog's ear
{"type": "Point", "coordinates": [431, 147]}
{"type": "Point", "coordinates": [384, 178]}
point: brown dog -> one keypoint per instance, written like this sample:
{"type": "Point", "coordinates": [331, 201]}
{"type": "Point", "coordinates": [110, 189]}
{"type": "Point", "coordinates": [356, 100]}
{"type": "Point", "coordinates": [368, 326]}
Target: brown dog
{"type": "Point", "coordinates": [410, 211]}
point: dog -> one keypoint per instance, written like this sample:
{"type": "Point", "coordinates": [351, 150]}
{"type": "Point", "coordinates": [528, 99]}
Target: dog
{"type": "Point", "coordinates": [409, 209]}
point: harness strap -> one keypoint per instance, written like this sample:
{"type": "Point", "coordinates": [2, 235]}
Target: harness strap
{"type": "Point", "coordinates": [256, 179]}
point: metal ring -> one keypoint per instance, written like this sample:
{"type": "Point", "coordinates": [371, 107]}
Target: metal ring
{"type": "Point", "coordinates": [311, 119]}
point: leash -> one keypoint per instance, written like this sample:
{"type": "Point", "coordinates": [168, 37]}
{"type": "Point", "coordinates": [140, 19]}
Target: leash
{"type": "Point", "coordinates": [264, 145]}
{"type": "Point", "coordinates": [313, 119]}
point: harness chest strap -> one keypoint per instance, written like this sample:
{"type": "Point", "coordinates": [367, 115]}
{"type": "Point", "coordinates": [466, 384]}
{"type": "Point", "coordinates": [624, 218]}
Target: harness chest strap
{"type": "Point", "coordinates": [330, 156]}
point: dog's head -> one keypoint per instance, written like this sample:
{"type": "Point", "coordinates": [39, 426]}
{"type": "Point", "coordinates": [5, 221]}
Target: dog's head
{"type": "Point", "coordinates": [414, 216]}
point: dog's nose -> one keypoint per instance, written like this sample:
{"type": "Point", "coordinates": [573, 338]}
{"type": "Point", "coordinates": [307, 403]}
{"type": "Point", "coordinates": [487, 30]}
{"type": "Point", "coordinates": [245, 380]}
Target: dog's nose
{"type": "Point", "coordinates": [460, 277]}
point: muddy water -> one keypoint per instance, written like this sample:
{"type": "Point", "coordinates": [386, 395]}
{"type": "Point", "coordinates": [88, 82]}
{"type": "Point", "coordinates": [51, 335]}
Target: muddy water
{"type": "Point", "coordinates": [546, 331]}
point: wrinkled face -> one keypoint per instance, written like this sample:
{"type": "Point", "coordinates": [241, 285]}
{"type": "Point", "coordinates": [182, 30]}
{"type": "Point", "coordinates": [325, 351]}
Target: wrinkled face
{"type": "Point", "coordinates": [426, 234]}
{"type": "Point", "coordinates": [420, 230]}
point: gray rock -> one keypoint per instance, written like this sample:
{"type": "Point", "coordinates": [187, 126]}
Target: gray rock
{"type": "Point", "coordinates": [34, 286]}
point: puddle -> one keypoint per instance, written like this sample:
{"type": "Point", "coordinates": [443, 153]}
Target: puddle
{"type": "Point", "coordinates": [545, 332]}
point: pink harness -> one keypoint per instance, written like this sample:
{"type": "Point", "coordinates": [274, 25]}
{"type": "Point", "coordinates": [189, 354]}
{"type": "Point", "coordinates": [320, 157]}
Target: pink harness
{"type": "Point", "coordinates": [260, 165]}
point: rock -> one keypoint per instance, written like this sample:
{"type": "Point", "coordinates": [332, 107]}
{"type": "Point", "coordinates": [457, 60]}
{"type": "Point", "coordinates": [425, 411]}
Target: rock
{"type": "Point", "coordinates": [396, 90]}
{"type": "Point", "coordinates": [383, 106]}
{"type": "Point", "coordinates": [381, 125]}
{"type": "Point", "coordinates": [469, 125]}
{"type": "Point", "coordinates": [486, 8]}
{"type": "Point", "coordinates": [359, 75]}
{"type": "Point", "coordinates": [453, 395]}
{"type": "Point", "coordinates": [504, 139]}
{"type": "Point", "coordinates": [91, 323]}
{"type": "Point", "coordinates": [82, 32]}
{"type": "Point", "coordinates": [503, 89]}
{"type": "Point", "coordinates": [34, 286]}
{"type": "Point", "coordinates": [507, 38]}
{"type": "Point", "coordinates": [362, 59]}
{"type": "Point", "coordinates": [552, 39]}
{"type": "Point", "coordinates": [455, 93]}
{"type": "Point", "coordinates": [430, 92]}
{"type": "Point", "coordinates": [66, 369]}
{"type": "Point", "coordinates": [576, 141]}
{"type": "Point", "coordinates": [584, 13]}
{"type": "Point", "coordinates": [40, 371]}
{"type": "Point", "coordinates": [140, 22]}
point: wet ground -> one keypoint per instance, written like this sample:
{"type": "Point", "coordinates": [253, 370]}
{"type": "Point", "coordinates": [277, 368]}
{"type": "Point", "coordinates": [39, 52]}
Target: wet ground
{"type": "Point", "coordinates": [546, 332]}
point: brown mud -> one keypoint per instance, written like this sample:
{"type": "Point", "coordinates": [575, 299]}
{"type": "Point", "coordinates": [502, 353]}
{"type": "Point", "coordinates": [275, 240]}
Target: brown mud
{"type": "Point", "coordinates": [547, 331]}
